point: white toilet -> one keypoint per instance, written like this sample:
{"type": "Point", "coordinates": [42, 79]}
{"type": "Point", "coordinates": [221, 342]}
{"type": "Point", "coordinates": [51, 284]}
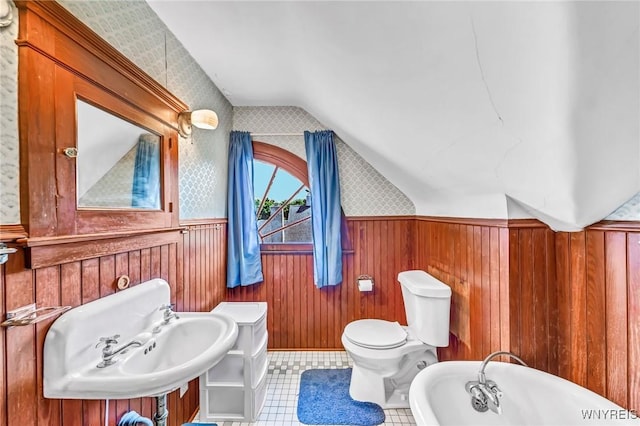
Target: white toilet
{"type": "Point", "coordinates": [387, 356]}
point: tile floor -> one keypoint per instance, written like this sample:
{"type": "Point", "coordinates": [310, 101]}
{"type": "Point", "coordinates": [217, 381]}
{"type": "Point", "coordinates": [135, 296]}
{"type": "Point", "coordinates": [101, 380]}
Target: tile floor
{"type": "Point", "coordinates": [283, 382]}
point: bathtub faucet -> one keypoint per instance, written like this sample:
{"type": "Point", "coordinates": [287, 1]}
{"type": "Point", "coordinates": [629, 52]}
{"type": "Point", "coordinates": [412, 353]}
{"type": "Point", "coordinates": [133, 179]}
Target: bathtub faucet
{"type": "Point", "coordinates": [485, 394]}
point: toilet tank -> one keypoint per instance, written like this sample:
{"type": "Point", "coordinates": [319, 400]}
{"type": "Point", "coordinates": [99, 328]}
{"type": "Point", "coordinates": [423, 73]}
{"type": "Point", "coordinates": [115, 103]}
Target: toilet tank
{"type": "Point", "coordinates": [427, 303]}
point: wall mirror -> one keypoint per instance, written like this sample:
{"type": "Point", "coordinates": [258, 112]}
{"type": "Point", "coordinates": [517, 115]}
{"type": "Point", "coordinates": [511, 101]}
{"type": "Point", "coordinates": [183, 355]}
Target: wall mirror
{"type": "Point", "coordinates": [118, 164]}
{"type": "Point", "coordinates": [78, 94]}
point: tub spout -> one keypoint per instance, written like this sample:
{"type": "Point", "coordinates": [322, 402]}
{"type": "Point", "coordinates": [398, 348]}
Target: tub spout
{"type": "Point", "coordinates": [481, 376]}
{"type": "Point", "coordinates": [485, 394]}
{"type": "Point", "coordinates": [492, 395]}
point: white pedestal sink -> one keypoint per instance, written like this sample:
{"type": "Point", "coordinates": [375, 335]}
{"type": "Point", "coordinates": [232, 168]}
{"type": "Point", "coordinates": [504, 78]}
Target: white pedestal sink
{"type": "Point", "coordinates": [170, 354]}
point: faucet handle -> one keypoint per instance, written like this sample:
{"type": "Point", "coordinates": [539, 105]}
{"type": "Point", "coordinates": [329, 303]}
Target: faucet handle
{"type": "Point", "coordinates": [168, 313]}
{"type": "Point", "coordinates": [477, 393]}
{"type": "Point", "coordinates": [167, 307]}
{"type": "Point", "coordinates": [495, 389]}
{"type": "Point", "coordinates": [109, 340]}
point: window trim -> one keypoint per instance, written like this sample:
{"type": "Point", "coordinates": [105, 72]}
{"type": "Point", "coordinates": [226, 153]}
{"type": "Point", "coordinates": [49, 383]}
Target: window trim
{"type": "Point", "coordinates": [297, 167]}
{"type": "Point", "coordinates": [282, 158]}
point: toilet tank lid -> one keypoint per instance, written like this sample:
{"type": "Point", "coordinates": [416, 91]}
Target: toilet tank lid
{"type": "Point", "coordinates": [423, 284]}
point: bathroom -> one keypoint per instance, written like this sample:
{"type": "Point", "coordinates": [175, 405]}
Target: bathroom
{"type": "Point", "coordinates": [535, 239]}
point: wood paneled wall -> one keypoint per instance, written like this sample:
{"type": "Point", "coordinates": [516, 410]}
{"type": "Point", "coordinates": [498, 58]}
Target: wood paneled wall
{"type": "Point", "coordinates": [599, 311]}
{"type": "Point", "coordinates": [533, 301]}
{"type": "Point", "coordinates": [304, 317]}
{"type": "Point", "coordinates": [473, 261]}
{"type": "Point", "coordinates": [567, 303]}
{"type": "Point", "coordinates": [204, 265]}
{"type": "Point", "coordinates": [503, 288]}
{"type": "Point", "coordinates": [194, 267]}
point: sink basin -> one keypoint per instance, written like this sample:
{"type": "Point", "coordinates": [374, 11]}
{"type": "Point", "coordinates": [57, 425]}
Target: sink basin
{"type": "Point", "coordinates": [179, 352]}
{"type": "Point", "coordinates": [189, 341]}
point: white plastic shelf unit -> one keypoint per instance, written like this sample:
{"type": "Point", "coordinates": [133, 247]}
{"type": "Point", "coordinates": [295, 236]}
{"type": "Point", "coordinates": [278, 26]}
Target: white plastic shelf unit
{"type": "Point", "coordinates": [235, 388]}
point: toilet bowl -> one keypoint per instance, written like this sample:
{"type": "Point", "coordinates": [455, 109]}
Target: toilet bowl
{"type": "Point", "coordinates": [386, 355]}
{"type": "Point", "coordinates": [383, 369]}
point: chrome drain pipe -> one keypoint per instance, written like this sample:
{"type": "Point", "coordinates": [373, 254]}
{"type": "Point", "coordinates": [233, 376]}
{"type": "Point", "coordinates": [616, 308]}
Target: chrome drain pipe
{"type": "Point", "coordinates": [160, 418]}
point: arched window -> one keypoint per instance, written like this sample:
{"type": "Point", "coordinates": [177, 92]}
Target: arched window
{"type": "Point", "coordinates": [281, 188]}
{"type": "Point", "coordinates": [283, 204]}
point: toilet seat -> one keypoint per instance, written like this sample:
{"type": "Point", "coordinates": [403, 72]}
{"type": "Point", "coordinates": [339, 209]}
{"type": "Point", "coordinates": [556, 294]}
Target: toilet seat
{"type": "Point", "coordinates": [375, 334]}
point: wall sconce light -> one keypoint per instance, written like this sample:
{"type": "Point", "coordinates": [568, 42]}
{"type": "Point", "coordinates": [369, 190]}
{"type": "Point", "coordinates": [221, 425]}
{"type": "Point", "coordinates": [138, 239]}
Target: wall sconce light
{"type": "Point", "coordinates": [201, 118]}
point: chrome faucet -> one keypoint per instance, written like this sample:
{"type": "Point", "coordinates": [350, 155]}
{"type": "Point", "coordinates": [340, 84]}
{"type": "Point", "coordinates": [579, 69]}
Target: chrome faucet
{"type": "Point", "coordinates": [485, 394]}
{"type": "Point", "coordinates": [168, 313]}
{"type": "Point", "coordinates": [108, 353]}
{"type": "Point", "coordinates": [167, 316]}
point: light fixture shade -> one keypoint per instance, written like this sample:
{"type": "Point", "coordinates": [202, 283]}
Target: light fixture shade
{"type": "Point", "coordinates": [204, 119]}
{"type": "Point", "coordinates": [201, 118]}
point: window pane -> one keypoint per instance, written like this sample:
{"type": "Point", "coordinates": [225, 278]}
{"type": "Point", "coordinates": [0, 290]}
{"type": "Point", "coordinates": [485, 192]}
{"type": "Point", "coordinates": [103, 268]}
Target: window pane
{"type": "Point", "coordinates": [282, 219]}
{"type": "Point", "coordinates": [261, 174]}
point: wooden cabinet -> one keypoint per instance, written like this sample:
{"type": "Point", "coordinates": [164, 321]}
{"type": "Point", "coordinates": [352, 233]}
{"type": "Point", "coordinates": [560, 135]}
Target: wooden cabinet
{"type": "Point", "coordinates": [60, 62]}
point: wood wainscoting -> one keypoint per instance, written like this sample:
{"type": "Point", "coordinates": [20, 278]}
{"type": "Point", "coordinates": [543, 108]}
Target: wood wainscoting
{"type": "Point", "coordinates": [503, 283]}
{"type": "Point", "coordinates": [302, 316]}
{"type": "Point", "coordinates": [72, 284]}
{"type": "Point", "coordinates": [567, 303]}
{"type": "Point", "coordinates": [194, 266]}
{"type": "Point", "coordinates": [599, 310]}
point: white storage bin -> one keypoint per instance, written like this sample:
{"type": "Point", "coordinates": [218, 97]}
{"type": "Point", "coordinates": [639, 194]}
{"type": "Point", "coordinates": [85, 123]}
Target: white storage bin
{"type": "Point", "coordinates": [251, 318]}
{"type": "Point", "coordinates": [223, 402]}
{"type": "Point", "coordinates": [234, 403]}
{"type": "Point", "coordinates": [236, 388]}
{"type": "Point", "coordinates": [258, 399]}
{"type": "Point", "coordinates": [234, 366]}
{"type": "Point", "coordinates": [259, 365]}
{"type": "Point", "coordinates": [230, 370]}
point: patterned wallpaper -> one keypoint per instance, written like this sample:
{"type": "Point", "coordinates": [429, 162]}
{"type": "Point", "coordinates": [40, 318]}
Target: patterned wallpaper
{"type": "Point", "coordinates": [365, 192]}
{"type": "Point", "coordinates": [628, 211]}
{"type": "Point", "coordinates": [9, 154]}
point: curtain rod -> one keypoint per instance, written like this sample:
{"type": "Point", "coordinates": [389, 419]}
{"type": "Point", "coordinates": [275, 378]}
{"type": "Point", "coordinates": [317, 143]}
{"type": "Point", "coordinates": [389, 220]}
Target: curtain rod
{"type": "Point", "coordinates": [277, 134]}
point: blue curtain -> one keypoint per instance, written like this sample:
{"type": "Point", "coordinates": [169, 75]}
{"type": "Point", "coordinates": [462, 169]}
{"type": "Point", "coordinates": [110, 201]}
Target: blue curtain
{"type": "Point", "coordinates": [243, 265]}
{"type": "Point", "coordinates": [146, 174]}
{"type": "Point", "coordinates": [326, 213]}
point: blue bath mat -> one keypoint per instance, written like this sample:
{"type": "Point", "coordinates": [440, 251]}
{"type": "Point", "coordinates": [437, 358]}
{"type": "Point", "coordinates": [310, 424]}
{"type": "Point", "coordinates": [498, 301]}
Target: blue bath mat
{"type": "Point", "coordinates": [324, 400]}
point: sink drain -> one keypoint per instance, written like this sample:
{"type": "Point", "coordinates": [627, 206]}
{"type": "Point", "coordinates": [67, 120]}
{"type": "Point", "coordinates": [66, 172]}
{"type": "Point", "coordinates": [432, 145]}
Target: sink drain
{"type": "Point", "coordinates": [478, 405]}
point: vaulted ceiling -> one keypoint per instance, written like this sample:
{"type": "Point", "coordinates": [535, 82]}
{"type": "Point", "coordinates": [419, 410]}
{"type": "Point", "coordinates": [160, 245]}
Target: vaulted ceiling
{"type": "Point", "coordinates": [472, 109]}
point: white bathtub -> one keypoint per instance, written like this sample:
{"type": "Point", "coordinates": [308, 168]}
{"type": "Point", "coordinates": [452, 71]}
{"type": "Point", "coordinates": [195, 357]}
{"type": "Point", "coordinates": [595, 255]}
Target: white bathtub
{"type": "Point", "coordinates": [531, 397]}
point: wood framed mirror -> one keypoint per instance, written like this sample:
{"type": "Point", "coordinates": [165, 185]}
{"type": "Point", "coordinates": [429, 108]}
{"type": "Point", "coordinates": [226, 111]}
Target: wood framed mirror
{"type": "Point", "coordinates": [63, 65]}
{"type": "Point", "coordinates": [117, 162]}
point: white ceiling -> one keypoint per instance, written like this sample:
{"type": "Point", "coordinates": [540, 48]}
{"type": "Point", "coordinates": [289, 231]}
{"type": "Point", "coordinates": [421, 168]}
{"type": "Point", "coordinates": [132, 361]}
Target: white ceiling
{"type": "Point", "coordinates": [472, 109]}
